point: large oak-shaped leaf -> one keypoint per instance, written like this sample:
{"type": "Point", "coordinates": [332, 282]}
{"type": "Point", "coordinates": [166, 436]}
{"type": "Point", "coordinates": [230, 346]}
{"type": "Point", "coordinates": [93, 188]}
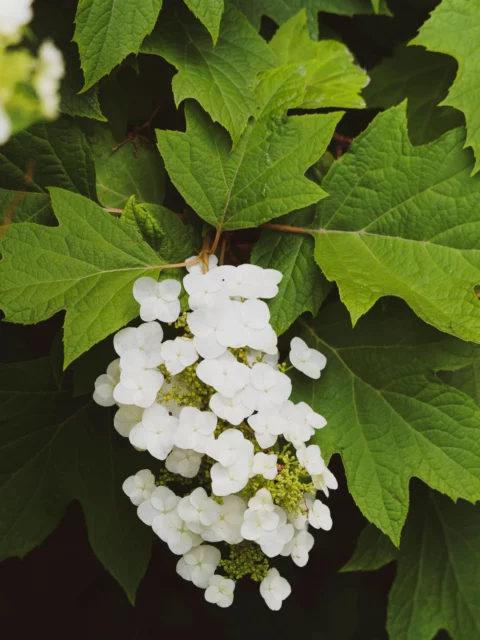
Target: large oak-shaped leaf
{"type": "Point", "coordinates": [389, 416]}
{"type": "Point", "coordinates": [404, 221]}
{"type": "Point", "coordinates": [261, 179]}
{"type": "Point", "coordinates": [86, 266]}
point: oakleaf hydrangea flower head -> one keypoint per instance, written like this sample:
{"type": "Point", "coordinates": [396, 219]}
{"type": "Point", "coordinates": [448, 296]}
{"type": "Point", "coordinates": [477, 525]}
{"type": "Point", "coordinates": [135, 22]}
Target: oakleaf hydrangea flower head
{"type": "Point", "coordinates": [309, 361]}
{"type": "Point", "coordinates": [211, 405]}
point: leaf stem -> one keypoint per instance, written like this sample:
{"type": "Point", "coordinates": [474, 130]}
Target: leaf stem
{"type": "Point", "coordinates": [112, 210]}
{"type": "Point", "coordinates": [286, 227]}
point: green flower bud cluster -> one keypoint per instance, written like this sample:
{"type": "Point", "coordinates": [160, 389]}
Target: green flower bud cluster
{"type": "Point", "coordinates": [245, 559]}
{"type": "Point", "coordinates": [288, 486]}
{"type": "Point", "coordinates": [241, 354]}
{"type": "Point", "coordinates": [181, 323]}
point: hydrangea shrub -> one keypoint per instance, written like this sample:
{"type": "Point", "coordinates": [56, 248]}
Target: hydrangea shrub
{"type": "Point", "coordinates": [241, 238]}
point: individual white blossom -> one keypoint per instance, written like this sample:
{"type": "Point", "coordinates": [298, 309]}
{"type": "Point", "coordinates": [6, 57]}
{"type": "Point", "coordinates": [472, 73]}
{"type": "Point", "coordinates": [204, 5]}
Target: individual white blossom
{"type": "Point", "coordinates": [205, 325]}
{"type": "Point", "coordinates": [325, 481]}
{"type": "Point", "coordinates": [179, 537]}
{"type": "Point", "coordinates": [232, 479]}
{"type": "Point", "coordinates": [199, 565]}
{"type": "Point", "coordinates": [198, 509]}
{"type": "Point", "coordinates": [138, 386]}
{"type": "Point", "coordinates": [261, 501]}
{"type": "Point", "coordinates": [269, 388]}
{"type": "Point", "coordinates": [310, 458]}
{"type": "Point", "coordinates": [247, 324]}
{"type": "Point", "coordinates": [46, 80]}
{"type": "Point", "coordinates": [318, 514]}
{"type": "Point", "coordinates": [185, 462]}
{"type": "Point", "coordinates": [206, 290]}
{"type": "Point", "coordinates": [126, 418]}
{"type": "Point", "coordinates": [225, 374]}
{"type": "Point", "coordinates": [309, 361]}
{"type": "Point", "coordinates": [140, 486]}
{"type": "Point", "coordinates": [195, 429]}
{"type": "Point", "coordinates": [139, 347]}
{"type": "Point", "coordinates": [155, 432]}
{"type": "Point", "coordinates": [228, 525]}
{"type": "Point", "coordinates": [158, 300]}
{"type": "Point", "coordinates": [265, 464]}
{"type": "Point", "coordinates": [233, 410]}
{"type": "Point", "coordinates": [268, 425]}
{"type": "Point", "coordinates": [165, 503]}
{"type": "Point", "coordinates": [302, 422]}
{"type": "Point", "coordinates": [273, 542]}
{"type": "Point", "coordinates": [220, 591]}
{"type": "Point", "coordinates": [274, 589]}
{"type": "Point", "coordinates": [106, 383]}
{"type": "Point", "coordinates": [299, 547]}
{"type": "Point", "coordinates": [231, 447]}
{"type": "Point", "coordinates": [178, 354]}
{"type": "Point", "coordinates": [257, 522]}
{"type": "Point", "coordinates": [250, 281]}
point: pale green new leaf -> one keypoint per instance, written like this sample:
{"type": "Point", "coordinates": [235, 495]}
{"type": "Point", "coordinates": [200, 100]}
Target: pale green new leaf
{"type": "Point", "coordinates": [85, 266]}
{"type": "Point", "coordinates": [106, 31]}
{"type": "Point", "coordinates": [261, 179]}
{"type": "Point", "coordinates": [127, 171]}
{"type": "Point", "coordinates": [374, 550]}
{"type": "Point", "coordinates": [55, 154]}
{"type": "Point", "coordinates": [437, 583]}
{"type": "Point", "coordinates": [389, 416]}
{"type": "Point", "coordinates": [330, 76]}
{"type": "Point", "coordinates": [404, 221]}
{"type": "Point", "coordinates": [221, 77]}
{"type": "Point", "coordinates": [454, 28]}
{"type": "Point", "coordinates": [407, 75]}
{"type": "Point", "coordinates": [282, 10]}
{"type": "Point", "coordinates": [54, 449]}
{"type": "Point", "coordinates": [209, 12]}
{"type": "Point", "coordinates": [17, 206]}
{"type": "Point", "coordinates": [303, 286]}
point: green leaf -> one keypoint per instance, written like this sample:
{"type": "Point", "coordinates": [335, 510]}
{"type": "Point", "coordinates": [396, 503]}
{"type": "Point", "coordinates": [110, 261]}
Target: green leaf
{"type": "Point", "coordinates": [209, 12]}
{"type": "Point", "coordinates": [222, 77]}
{"type": "Point", "coordinates": [74, 103]}
{"type": "Point", "coordinates": [303, 286]}
{"type": "Point", "coordinates": [54, 449]}
{"type": "Point", "coordinates": [18, 206]}
{"type": "Point", "coordinates": [128, 171]}
{"type": "Point", "coordinates": [282, 11]}
{"type": "Point", "coordinates": [107, 31]}
{"type": "Point", "coordinates": [262, 178]}
{"type": "Point", "coordinates": [330, 76]}
{"type": "Point", "coordinates": [162, 229]}
{"type": "Point", "coordinates": [374, 550]}
{"type": "Point", "coordinates": [437, 583]}
{"type": "Point", "coordinates": [404, 221]}
{"type": "Point", "coordinates": [86, 265]}
{"type": "Point", "coordinates": [467, 379]}
{"type": "Point", "coordinates": [388, 415]}
{"type": "Point", "coordinates": [48, 155]}
{"type": "Point", "coordinates": [442, 33]}
{"type": "Point", "coordinates": [407, 75]}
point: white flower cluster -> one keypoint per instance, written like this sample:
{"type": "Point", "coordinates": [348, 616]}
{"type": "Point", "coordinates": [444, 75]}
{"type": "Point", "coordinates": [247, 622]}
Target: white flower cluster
{"type": "Point", "coordinates": [213, 404]}
{"type": "Point", "coordinates": [18, 67]}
